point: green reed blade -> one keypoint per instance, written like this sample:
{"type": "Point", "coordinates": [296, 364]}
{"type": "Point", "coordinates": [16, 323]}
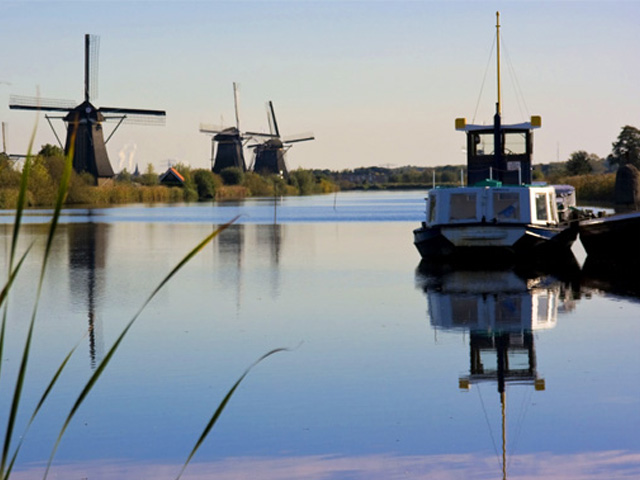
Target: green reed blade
{"type": "Point", "coordinates": [41, 402]}
{"type": "Point", "coordinates": [3, 296]}
{"type": "Point", "coordinates": [22, 194]}
{"type": "Point", "coordinates": [17, 394]}
{"type": "Point", "coordinates": [107, 358]}
{"type": "Point", "coordinates": [222, 406]}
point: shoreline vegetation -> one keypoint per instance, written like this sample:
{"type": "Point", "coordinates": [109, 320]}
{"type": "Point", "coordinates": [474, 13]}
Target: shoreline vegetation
{"type": "Point", "coordinates": [594, 179]}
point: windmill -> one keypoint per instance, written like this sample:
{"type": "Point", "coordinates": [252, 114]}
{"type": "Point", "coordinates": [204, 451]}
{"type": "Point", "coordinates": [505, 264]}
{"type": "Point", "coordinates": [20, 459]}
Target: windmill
{"type": "Point", "coordinates": [84, 121]}
{"type": "Point", "coordinates": [230, 142]}
{"type": "Point", "coordinates": [269, 155]}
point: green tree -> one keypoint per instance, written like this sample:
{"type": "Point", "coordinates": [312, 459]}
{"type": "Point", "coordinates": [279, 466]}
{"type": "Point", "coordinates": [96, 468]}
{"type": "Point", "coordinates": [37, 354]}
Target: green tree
{"type": "Point", "coordinates": [626, 150]}
{"type": "Point", "coordinates": [150, 177]}
{"type": "Point", "coordinates": [579, 163]}
{"type": "Point", "coordinates": [124, 176]}
{"type": "Point", "coordinates": [232, 176]}
{"type": "Point", "coordinates": [303, 180]}
{"type": "Point", "coordinates": [49, 150]}
{"type": "Point", "coordinates": [205, 182]}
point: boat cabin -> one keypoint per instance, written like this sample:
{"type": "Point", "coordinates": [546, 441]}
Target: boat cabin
{"type": "Point", "coordinates": [505, 156]}
{"type": "Point", "coordinates": [492, 204]}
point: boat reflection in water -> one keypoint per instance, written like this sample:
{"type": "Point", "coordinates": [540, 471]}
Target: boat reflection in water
{"type": "Point", "coordinates": [500, 309]}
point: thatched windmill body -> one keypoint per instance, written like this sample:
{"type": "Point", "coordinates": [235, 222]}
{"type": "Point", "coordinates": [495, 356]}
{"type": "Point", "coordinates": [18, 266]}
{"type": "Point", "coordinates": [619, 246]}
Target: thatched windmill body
{"type": "Point", "coordinates": [84, 121]}
{"type": "Point", "coordinates": [227, 143]}
{"type": "Point", "coordinates": [270, 154]}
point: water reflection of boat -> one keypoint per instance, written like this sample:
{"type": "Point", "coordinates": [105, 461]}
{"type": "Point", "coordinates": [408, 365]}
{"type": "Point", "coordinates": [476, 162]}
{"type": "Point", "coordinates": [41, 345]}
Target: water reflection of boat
{"type": "Point", "coordinates": [510, 299]}
{"type": "Point", "coordinates": [612, 238]}
{"type": "Point", "coordinates": [599, 275]}
{"type": "Point", "coordinates": [501, 309]}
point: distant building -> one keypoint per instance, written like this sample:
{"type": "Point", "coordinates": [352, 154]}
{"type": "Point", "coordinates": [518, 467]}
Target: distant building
{"type": "Point", "coordinates": [172, 178]}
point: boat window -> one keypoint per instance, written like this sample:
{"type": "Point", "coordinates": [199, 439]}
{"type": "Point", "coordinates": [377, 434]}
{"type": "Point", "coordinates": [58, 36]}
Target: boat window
{"type": "Point", "coordinates": [515, 143]}
{"type": "Point", "coordinates": [432, 208]}
{"type": "Point", "coordinates": [508, 310]}
{"type": "Point", "coordinates": [544, 306]}
{"type": "Point", "coordinates": [463, 206]}
{"type": "Point", "coordinates": [542, 212]}
{"type": "Point", "coordinates": [483, 143]}
{"type": "Point", "coordinates": [464, 310]}
{"type": "Point", "coordinates": [506, 206]}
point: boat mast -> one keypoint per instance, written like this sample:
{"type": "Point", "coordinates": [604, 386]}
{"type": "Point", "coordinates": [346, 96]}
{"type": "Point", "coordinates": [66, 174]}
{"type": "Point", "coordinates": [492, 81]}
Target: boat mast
{"type": "Point", "coordinates": [503, 407]}
{"type": "Point", "coordinates": [498, 106]}
{"type": "Point", "coordinates": [497, 121]}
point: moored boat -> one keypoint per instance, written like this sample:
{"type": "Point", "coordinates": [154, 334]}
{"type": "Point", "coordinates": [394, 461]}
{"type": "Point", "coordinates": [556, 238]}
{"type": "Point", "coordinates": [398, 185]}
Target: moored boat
{"type": "Point", "coordinates": [612, 237]}
{"type": "Point", "coordinates": [500, 210]}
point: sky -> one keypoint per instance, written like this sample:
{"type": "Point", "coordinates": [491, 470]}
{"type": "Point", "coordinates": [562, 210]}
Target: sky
{"type": "Point", "coordinates": [379, 83]}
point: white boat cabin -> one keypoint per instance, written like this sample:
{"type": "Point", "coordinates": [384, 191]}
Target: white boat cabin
{"type": "Point", "coordinates": [534, 205]}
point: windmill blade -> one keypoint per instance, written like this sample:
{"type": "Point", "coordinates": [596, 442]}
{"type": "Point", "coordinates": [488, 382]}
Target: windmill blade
{"type": "Point", "coordinates": [273, 115]}
{"type": "Point", "coordinates": [134, 116]}
{"type": "Point", "coordinates": [209, 128]}
{"type": "Point", "coordinates": [269, 118]}
{"type": "Point", "coordinates": [258, 134]}
{"type": "Point", "coordinates": [91, 49]}
{"type": "Point", "coordinates": [19, 102]}
{"type": "Point", "coordinates": [132, 119]}
{"type": "Point", "coordinates": [301, 137]}
{"type": "Point", "coordinates": [133, 111]}
{"type": "Point", "coordinates": [235, 104]}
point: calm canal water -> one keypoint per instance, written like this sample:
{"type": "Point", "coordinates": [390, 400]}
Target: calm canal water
{"type": "Point", "coordinates": [394, 369]}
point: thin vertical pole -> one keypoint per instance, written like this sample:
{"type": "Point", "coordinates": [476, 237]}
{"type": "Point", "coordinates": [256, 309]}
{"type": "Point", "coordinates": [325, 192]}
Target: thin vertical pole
{"type": "Point", "coordinates": [499, 107]}
{"type": "Point", "coordinates": [86, 67]}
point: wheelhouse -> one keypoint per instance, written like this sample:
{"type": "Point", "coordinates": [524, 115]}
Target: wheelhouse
{"type": "Point", "coordinates": [494, 205]}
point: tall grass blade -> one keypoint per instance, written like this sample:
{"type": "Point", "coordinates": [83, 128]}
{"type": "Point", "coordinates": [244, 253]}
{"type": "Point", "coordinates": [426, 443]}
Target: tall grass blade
{"type": "Point", "coordinates": [17, 394]}
{"type": "Point", "coordinates": [107, 358]}
{"type": "Point", "coordinates": [44, 396]}
{"type": "Point", "coordinates": [222, 406]}
{"type": "Point", "coordinates": [22, 196]}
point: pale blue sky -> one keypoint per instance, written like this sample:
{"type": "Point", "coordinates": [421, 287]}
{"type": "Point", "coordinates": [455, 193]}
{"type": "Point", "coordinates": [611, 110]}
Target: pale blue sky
{"type": "Point", "coordinates": [378, 83]}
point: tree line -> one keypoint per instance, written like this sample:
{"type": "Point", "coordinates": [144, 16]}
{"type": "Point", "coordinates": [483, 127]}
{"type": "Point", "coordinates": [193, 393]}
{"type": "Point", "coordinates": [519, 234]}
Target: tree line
{"type": "Point", "coordinates": [593, 177]}
{"type": "Point", "coordinates": [198, 184]}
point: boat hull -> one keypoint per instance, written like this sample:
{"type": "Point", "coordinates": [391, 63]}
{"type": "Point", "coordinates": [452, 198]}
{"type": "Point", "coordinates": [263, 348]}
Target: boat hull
{"type": "Point", "coordinates": [496, 241]}
{"type": "Point", "coordinates": [616, 237]}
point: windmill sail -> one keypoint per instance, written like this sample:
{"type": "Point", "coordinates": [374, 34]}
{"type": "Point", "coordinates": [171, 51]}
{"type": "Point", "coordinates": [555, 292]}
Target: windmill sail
{"type": "Point", "coordinates": [84, 121]}
{"type": "Point", "coordinates": [227, 144]}
{"type": "Point", "coordinates": [270, 154]}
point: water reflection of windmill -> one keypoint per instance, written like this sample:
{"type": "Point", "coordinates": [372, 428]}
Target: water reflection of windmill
{"type": "Point", "coordinates": [270, 154]}
{"type": "Point", "coordinates": [84, 121]}
{"type": "Point", "coordinates": [230, 141]}
{"type": "Point", "coordinates": [501, 310]}
{"type": "Point", "coordinates": [87, 259]}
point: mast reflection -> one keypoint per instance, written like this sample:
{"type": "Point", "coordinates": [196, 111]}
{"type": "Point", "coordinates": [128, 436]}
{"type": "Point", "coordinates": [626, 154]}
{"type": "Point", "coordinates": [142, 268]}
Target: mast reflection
{"type": "Point", "coordinates": [87, 259]}
{"type": "Point", "coordinates": [501, 309]}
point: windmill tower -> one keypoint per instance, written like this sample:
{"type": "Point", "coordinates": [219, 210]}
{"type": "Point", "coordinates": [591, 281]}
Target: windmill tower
{"type": "Point", "coordinates": [84, 121]}
{"type": "Point", "coordinates": [270, 154]}
{"type": "Point", "coordinates": [230, 142]}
